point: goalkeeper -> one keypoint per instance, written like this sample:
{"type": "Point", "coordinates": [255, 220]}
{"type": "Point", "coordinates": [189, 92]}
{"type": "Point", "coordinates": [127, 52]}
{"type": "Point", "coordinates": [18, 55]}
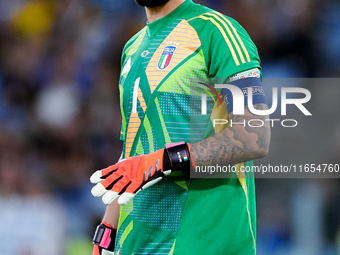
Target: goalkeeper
{"type": "Point", "coordinates": [154, 207]}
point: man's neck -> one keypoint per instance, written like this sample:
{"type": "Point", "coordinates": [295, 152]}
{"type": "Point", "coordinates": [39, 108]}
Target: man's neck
{"type": "Point", "coordinates": [155, 13]}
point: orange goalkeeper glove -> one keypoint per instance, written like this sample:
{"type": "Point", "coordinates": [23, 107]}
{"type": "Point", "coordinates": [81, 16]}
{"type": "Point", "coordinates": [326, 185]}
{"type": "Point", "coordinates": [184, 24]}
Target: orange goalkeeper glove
{"type": "Point", "coordinates": [131, 175]}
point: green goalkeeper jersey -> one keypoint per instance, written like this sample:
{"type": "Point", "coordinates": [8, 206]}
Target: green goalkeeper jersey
{"type": "Point", "coordinates": [158, 103]}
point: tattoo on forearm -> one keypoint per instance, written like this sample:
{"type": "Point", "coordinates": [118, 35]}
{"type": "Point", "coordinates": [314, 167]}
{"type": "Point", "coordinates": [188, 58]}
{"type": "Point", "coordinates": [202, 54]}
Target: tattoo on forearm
{"type": "Point", "coordinates": [235, 144]}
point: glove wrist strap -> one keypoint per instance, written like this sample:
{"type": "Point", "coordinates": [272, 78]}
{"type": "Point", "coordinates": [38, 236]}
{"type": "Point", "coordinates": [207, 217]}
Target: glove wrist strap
{"type": "Point", "coordinates": [179, 156]}
{"type": "Point", "coordinates": [105, 236]}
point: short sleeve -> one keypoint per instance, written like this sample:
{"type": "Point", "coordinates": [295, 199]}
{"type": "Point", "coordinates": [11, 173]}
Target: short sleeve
{"type": "Point", "coordinates": [227, 46]}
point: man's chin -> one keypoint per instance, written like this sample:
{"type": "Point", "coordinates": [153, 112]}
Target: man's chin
{"type": "Point", "coordinates": [151, 3]}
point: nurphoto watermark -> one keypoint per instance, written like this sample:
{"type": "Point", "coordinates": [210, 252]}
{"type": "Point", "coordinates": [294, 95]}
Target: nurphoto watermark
{"type": "Point", "coordinates": [244, 97]}
{"type": "Point", "coordinates": [302, 114]}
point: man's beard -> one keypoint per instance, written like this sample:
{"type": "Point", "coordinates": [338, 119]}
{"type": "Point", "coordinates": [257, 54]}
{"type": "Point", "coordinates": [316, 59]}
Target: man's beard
{"type": "Point", "coordinates": [151, 3]}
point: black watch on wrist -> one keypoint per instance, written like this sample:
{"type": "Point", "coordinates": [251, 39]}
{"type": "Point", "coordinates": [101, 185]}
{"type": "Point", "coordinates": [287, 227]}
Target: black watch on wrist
{"type": "Point", "coordinates": [105, 237]}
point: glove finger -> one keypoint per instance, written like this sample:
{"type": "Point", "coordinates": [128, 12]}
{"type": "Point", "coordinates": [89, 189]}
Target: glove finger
{"type": "Point", "coordinates": [125, 198]}
{"type": "Point", "coordinates": [167, 172]}
{"type": "Point", "coordinates": [150, 183]}
{"type": "Point", "coordinates": [106, 252]}
{"type": "Point", "coordinates": [109, 197]}
{"type": "Point", "coordinates": [100, 175]}
{"type": "Point", "coordinates": [98, 190]}
{"type": "Point", "coordinates": [96, 177]}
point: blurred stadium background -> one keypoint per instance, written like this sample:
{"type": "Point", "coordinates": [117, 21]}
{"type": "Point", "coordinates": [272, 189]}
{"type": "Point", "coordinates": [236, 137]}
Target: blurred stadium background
{"type": "Point", "coordinates": [60, 119]}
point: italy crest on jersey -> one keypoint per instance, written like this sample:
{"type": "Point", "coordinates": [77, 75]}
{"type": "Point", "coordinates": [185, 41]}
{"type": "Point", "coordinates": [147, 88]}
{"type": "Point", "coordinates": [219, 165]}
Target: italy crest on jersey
{"type": "Point", "coordinates": [166, 57]}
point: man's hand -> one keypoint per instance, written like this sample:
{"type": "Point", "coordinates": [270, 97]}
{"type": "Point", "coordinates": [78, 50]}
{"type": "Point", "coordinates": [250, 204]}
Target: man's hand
{"type": "Point", "coordinates": [127, 177]}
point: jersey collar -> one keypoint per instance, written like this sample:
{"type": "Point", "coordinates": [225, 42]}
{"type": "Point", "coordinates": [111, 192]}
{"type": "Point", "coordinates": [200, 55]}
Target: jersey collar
{"type": "Point", "coordinates": [157, 26]}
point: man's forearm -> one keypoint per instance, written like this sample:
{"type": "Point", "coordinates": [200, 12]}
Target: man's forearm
{"type": "Point", "coordinates": [235, 144]}
{"type": "Point", "coordinates": [111, 215]}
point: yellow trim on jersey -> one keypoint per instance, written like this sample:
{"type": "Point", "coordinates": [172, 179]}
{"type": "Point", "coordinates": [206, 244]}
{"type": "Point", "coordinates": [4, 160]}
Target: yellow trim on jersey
{"type": "Point", "coordinates": [243, 181]}
{"type": "Point", "coordinates": [126, 233]}
{"type": "Point", "coordinates": [182, 183]}
{"type": "Point", "coordinates": [233, 53]}
{"type": "Point", "coordinates": [237, 35]}
{"type": "Point", "coordinates": [172, 248]}
{"type": "Point", "coordinates": [230, 35]}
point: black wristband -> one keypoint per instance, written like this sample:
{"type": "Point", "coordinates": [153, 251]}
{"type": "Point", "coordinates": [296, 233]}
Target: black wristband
{"type": "Point", "coordinates": [178, 157]}
{"type": "Point", "coordinates": [105, 237]}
